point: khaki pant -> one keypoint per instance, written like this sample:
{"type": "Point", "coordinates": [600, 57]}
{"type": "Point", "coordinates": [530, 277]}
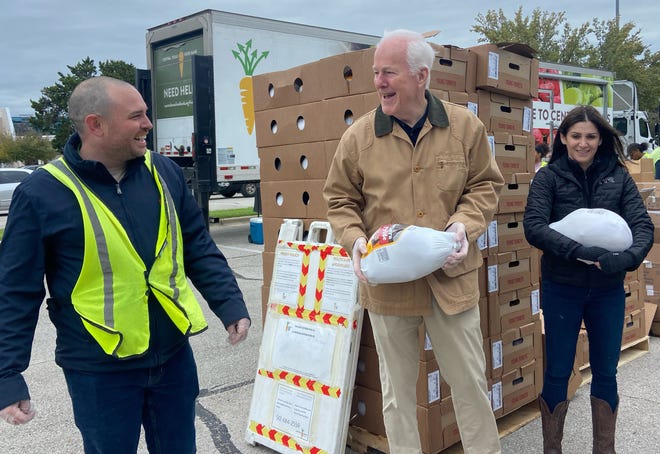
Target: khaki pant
{"type": "Point", "coordinates": [458, 347]}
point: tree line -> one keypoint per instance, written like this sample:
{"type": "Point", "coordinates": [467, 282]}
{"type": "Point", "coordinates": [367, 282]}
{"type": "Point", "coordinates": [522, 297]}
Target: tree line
{"type": "Point", "coordinates": [598, 44]}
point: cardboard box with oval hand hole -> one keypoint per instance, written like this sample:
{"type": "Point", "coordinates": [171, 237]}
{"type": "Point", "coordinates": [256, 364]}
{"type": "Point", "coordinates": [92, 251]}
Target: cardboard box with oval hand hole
{"type": "Point", "coordinates": [507, 68]}
{"type": "Point", "coordinates": [514, 348]}
{"type": "Point", "coordinates": [454, 69]}
{"type": "Point", "coordinates": [367, 413]}
{"type": "Point", "coordinates": [345, 74]}
{"type": "Point", "coordinates": [504, 114]}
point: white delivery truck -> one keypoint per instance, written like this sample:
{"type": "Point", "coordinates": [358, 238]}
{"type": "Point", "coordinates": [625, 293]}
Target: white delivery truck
{"type": "Point", "coordinates": [562, 87]}
{"type": "Point", "coordinates": [632, 123]}
{"type": "Point", "coordinates": [240, 46]}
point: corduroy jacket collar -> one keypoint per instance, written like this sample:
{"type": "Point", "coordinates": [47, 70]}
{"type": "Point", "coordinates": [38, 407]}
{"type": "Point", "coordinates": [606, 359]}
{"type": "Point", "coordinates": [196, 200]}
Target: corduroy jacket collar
{"type": "Point", "coordinates": [383, 124]}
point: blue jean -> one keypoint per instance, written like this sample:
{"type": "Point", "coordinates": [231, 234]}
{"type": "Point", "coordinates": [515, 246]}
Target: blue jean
{"type": "Point", "coordinates": [564, 308]}
{"type": "Point", "coordinates": [109, 408]}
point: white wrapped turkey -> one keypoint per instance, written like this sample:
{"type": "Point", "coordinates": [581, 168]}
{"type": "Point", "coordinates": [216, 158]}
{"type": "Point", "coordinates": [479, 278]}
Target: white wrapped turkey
{"type": "Point", "coordinates": [403, 253]}
{"type": "Point", "coordinates": [596, 227]}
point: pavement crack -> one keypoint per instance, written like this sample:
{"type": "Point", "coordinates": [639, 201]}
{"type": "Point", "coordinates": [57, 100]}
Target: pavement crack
{"type": "Point", "coordinates": [221, 389]}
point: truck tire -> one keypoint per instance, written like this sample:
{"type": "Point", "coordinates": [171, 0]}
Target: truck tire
{"type": "Point", "coordinates": [249, 189]}
{"type": "Point", "coordinates": [228, 193]}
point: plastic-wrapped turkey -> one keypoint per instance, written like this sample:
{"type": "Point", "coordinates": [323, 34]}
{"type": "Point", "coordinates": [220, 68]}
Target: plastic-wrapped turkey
{"type": "Point", "coordinates": [403, 253]}
{"type": "Point", "coordinates": [596, 227]}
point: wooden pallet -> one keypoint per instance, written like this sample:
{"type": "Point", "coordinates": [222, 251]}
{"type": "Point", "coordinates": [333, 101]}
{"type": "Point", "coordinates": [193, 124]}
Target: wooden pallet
{"type": "Point", "coordinates": [363, 442]}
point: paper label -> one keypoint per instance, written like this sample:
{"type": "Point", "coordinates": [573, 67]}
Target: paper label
{"type": "Point", "coordinates": [293, 412]}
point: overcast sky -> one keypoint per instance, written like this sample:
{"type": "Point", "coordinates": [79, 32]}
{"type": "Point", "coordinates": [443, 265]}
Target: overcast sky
{"type": "Point", "coordinates": [39, 38]}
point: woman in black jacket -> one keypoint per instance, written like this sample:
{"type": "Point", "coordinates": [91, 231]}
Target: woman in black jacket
{"type": "Point", "coordinates": [583, 283]}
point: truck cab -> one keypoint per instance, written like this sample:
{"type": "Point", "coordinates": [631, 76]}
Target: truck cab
{"type": "Point", "coordinates": [632, 123]}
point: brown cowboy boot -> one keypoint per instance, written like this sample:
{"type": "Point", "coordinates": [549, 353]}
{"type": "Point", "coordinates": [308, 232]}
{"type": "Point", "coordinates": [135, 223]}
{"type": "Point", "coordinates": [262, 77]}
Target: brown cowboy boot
{"type": "Point", "coordinates": [553, 426]}
{"type": "Point", "coordinates": [604, 426]}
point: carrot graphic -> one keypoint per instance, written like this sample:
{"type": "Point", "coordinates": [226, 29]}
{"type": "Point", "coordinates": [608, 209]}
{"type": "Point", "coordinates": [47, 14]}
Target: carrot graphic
{"type": "Point", "coordinates": [249, 59]}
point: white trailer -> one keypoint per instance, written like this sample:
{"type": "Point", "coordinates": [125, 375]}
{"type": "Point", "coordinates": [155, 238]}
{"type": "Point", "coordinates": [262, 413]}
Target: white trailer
{"type": "Point", "coordinates": [563, 87]}
{"type": "Point", "coordinates": [241, 46]}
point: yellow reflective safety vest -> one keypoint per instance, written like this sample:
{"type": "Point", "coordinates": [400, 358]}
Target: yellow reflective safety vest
{"type": "Point", "coordinates": [112, 291]}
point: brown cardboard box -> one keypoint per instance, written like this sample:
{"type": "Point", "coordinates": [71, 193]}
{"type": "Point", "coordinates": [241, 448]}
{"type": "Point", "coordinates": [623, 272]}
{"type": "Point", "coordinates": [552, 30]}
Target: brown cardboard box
{"type": "Point", "coordinates": [340, 75]}
{"type": "Point", "coordinates": [512, 153]}
{"type": "Point", "coordinates": [367, 337]}
{"type": "Point", "coordinates": [268, 259]}
{"type": "Point", "coordinates": [301, 161]}
{"type": "Point", "coordinates": [347, 74]}
{"type": "Point", "coordinates": [633, 300]}
{"type": "Point", "coordinates": [511, 237]}
{"type": "Point", "coordinates": [634, 327]}
{"type": "Point", "coordinates": [650, 288]}
{"type": "Point", "coordinates": [431, 387]}
{"type": "Point", "coordinates": [367, 413]}
{"type": "Point", "coordinates": [293, 124]}
{"type": "Point", "coordinates": [510, 70]}
{"type": "Point", "coordinates": [655, 217]}
{"type": "Point", "coordinates": [450, 433]}
{"type": "Point", "coordinates": [513, 309]}
{"type": "Point", "coordinates": [367, 373]}
{"type": "Point", "coordinates": [518, 387]}
{"type": "Point", "coordinates": [468, 100]}
{"type": "Point", "coordinates": [293, 199]}
{"type": "Point", "coordinates": [574, 382]}
{"type": "Point", "coordinates": [650, 310]}
{"type": "Point", "coordinates": [583, 344]}
{"type": "Point", "coordinates": [429, 420]}
{"type": "Point", "coordinates": [367, 410]}
{"type": "Point", "coordinates": [502, 113]}
{"type": "Point", "coordinates": [501, 218]}
{"type": "Point", "coordinates": [511, 270]}
{"type": "Point", "coordinates": [513, 197]}
{"type": "Point", "coordinates": [453, 69]}
{"type": "Point", "coordinates": [298, 85]}
{"type": "Point", "coordinates": [265, 291]}
{"type": "Point", "coordinates": [641, 170]}
{"type": "Point", "coordinates": [311, 122]}
{"type": "Point", "coordinates": [515, 347]}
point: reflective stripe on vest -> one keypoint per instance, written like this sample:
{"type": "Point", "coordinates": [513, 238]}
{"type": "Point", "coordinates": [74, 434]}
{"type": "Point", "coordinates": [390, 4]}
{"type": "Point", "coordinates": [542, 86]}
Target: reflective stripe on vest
{"type": "Point", "coordinates": [112, 268]}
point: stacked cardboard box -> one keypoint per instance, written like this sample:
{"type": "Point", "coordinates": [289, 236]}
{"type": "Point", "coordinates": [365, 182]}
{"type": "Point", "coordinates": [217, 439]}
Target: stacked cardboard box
{"type": "Point", "coordinates": [297, 133]}
{"type": "Point", "coordinates": [300, 115]}
{"type": "Point", "coordinates": [506, 82]}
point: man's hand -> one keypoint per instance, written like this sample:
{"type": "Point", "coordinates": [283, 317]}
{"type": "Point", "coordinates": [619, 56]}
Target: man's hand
{"type": "Point", "coordinates": [18, 413]}
{"type": "Point", "coordinates": [458, 256]}
{"type": "Point", "coordinates": [238, 331]}
{"type": "Point", "coordinates": [359, 248]}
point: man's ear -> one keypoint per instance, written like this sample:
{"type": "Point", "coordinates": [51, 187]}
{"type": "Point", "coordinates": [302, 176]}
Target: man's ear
{"type": "Point", "coordinates": [93, 123]}
{"type": "Point", "coordinates": [424, 74]}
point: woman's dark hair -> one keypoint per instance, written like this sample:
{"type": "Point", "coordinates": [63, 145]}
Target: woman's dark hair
{"type": "Point", "coordinates": [542, 148]}
{"type": "Point", "coordinates": [610, 141]}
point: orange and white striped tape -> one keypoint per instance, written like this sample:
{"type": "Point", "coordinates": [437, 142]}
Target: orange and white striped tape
{"type": "Point", "coordinates": [302, 382]}
{"type": "Point", "coordinates": [282, 439]}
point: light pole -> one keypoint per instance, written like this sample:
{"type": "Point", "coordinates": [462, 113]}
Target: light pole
{"type": "Point", "coordinates": [617, 14]}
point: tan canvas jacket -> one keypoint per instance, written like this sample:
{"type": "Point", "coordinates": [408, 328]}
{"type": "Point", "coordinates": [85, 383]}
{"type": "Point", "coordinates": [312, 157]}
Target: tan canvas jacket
{"type": "Point", "coordinates": [378, 177]}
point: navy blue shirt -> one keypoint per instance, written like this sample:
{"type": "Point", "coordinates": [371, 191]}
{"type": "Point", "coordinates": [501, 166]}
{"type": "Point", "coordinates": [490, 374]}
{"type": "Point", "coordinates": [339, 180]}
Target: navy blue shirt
{"type": "Point", "coordinates": [44, 237]}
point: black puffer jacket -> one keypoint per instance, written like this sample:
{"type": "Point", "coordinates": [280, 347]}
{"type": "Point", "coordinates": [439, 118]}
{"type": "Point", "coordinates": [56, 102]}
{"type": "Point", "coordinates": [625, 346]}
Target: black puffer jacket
{"type": "Point", "coordinates": [561, 188]}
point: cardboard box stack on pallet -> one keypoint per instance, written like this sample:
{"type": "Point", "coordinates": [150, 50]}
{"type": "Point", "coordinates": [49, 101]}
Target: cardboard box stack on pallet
{"type": "Point", "coordinates": [507, 80]}
{"type": "Point", "coordinates": [297, 133]}
{"type": "Point", "coordinates": [649, 272]}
